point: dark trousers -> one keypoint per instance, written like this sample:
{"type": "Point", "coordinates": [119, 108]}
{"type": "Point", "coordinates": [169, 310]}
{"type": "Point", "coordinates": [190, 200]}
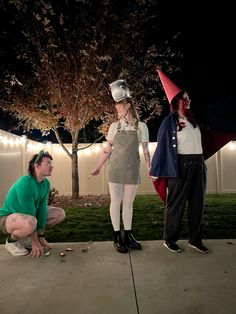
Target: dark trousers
{"type": "Point", "coordinates": [189, 188]}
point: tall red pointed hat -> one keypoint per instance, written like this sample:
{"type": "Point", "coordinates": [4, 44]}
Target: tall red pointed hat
{"type": "Point", "coordinates": [170, 88]}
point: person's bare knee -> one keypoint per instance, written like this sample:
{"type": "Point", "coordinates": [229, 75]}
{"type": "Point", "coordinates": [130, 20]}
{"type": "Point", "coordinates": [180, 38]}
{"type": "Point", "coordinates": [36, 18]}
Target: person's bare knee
{"type": "Point", "coordinates": [55, 215]}
{"type": "Point", "coordinates": [29, 224]}
{"type": "Point", "coordinates": [61, 214]}
{"type": "Point", "coordinates": [20, 225]}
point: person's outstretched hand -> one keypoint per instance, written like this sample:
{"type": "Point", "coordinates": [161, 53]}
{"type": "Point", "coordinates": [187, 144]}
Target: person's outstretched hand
{"type": "Point", "coordinates": [95, 171]}
{"type": "Point", "coordinates": [45, 244]}
{"type": "Point", "coordinates": [153, 178]}
{"type": "Point", "coordinates": [37, 249]}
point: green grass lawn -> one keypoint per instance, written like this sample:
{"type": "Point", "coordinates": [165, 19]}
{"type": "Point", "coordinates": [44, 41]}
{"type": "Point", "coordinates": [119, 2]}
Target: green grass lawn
{"type": "Point", "coordinates": [93, 224]}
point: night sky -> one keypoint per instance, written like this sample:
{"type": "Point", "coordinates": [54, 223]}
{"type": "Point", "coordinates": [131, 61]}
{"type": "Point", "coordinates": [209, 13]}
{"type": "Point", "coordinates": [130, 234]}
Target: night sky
{"type": "Point", "coordinates": [209, 66]}
{"type": "Point", "coordinates": [208, 71]}
{"type": "Point", "coordinates": [209, 63]}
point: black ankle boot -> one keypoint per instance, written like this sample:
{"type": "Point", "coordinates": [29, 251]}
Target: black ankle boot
{"type": "Point", "coordinates": [119, 243]}
{"type": "Point", "coordinates": [131, 242]}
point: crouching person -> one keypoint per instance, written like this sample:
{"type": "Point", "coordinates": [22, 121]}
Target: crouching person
{"type": "Point", "coordinates": [25, 214]}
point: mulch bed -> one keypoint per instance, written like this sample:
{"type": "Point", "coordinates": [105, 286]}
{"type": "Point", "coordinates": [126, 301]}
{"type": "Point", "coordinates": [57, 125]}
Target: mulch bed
{"type": "Point", "coordinates": [65, 201]}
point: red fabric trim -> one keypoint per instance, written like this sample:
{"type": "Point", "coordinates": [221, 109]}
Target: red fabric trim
{"type": "Point", "coordinates": [160, 186]}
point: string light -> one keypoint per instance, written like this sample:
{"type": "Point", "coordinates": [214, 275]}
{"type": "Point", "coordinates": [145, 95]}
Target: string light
{"type": "Point", "coordinates": [232, 145]}
{"type": "Point", "coordinates": [87, 152]}
{"type": "Point", "coordinates": [96, 148]}
{"type": "Point", "coordinates": [13, 140]}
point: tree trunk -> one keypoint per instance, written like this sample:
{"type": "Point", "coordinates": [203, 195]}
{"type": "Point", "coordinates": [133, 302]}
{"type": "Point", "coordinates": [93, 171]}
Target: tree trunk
{"type": "Point", "coordinates": [74, 160]}
{"type": "Point", "coordinates": [75, 171]}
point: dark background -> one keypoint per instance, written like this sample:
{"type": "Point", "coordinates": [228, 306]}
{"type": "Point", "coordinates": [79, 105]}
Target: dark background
{"type": "Point", "coordinates": [208, 69]}
{"type": "Point", "coordinates": [209, 66]}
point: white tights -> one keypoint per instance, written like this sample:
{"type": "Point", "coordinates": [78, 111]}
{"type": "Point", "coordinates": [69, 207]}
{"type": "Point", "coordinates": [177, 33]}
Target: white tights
{"type": "Point", "coordinates": [124, 193]}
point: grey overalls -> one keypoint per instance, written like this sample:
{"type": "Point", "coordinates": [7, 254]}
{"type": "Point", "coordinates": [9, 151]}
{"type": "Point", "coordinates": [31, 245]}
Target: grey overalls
{"type": "Point", "coordinates": [124, 162]}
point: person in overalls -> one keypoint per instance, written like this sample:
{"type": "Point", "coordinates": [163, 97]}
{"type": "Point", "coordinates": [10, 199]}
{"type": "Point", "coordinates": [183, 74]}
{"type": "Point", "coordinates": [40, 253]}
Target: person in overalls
{"type": "Point", "coordinates": [122, 153]}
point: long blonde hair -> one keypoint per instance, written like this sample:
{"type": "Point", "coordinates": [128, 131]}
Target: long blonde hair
{"type": "Point", "coordinates": [134, 113]}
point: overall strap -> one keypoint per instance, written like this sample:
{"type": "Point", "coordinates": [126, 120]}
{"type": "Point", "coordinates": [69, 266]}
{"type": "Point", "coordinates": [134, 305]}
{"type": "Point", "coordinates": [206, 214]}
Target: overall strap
{"type": "Point", "coordinates": [118, 126]}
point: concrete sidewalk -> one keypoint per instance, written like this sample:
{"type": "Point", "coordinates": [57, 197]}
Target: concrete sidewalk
{"type": "Point", "coordinates": [102, 281]}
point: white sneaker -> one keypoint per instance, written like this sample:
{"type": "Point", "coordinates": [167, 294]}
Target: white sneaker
{"type": "Point", "coordinates": [15, 248]}
{"type": "Point", "coordinates": [26, 243]}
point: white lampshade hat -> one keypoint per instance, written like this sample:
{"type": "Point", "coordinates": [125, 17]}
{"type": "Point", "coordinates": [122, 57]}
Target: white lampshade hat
{"type": "Point", "coordinates": [120, 90]}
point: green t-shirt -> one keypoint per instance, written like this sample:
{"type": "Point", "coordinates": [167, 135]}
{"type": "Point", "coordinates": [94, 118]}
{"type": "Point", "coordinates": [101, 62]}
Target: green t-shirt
{"type": "Point", "coordinates": [28, 196]}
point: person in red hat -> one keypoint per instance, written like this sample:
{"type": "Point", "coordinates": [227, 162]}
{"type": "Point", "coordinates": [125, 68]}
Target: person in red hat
{"type": "Point", "coordinates": [122, 153]}
{"type": "Point", "coordinates": [178, 166]}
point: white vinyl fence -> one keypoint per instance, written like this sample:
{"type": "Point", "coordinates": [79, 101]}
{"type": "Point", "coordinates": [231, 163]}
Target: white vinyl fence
{"type": "Point", "coordinates": [16, 151]}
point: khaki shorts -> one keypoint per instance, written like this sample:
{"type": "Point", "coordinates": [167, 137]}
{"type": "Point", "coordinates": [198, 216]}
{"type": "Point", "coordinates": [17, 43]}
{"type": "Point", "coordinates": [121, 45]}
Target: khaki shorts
{"type": "Point", "coordinates": [3, 224]}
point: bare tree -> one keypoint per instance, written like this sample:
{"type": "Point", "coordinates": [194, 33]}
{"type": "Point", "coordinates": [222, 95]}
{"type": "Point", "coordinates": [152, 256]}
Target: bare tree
{"type": "Point", "coordinates": [65, 54]}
